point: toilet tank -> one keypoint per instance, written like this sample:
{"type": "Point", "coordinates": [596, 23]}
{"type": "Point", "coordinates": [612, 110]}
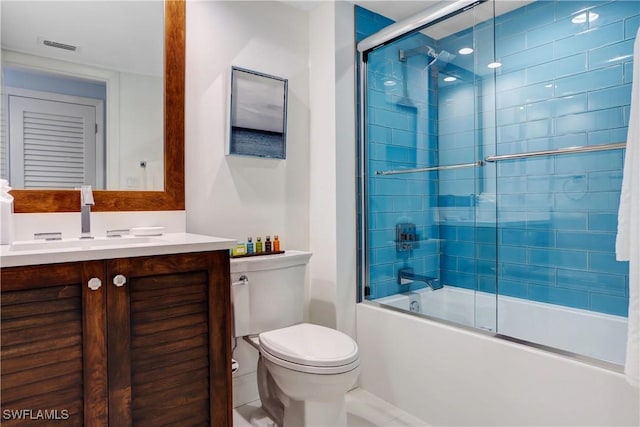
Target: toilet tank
{"type": "Point", "coordinates": [273, 297]}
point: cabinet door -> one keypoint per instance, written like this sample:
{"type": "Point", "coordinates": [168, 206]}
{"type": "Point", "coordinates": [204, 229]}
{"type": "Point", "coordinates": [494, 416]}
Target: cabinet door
{"type": "Point", "coordinates": [53, 350]}
{"type": "Point", "coordinates": [169, 340]}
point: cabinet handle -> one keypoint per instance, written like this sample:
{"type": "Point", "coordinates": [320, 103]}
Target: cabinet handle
{"type": "Point", "coordinates": [94, 283]}
{"type": "Point", "coordinates": [119, 280]}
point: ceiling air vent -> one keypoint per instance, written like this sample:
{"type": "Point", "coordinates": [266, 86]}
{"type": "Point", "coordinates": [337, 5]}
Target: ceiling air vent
{"type": "Point", "coordinates": [60, 45]}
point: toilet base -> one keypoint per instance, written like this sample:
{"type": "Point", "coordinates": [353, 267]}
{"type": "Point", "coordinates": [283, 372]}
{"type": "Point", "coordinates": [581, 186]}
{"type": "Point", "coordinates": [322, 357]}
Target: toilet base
{"type": "Point", "coordinates": [260, 419]}
{"type": "Point", "coordinates": [315, 413]}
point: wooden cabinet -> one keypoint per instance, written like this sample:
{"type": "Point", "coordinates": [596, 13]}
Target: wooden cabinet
{"type": "Point", "coordinates": [153, 351]}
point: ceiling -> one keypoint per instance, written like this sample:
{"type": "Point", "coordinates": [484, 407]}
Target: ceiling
{"type": "Point", "coordinates": [102, 31]}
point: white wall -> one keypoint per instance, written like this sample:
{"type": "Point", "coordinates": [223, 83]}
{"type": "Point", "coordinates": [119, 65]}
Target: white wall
{"type": "Point", "coordinates": [236, 196]}
{"type": "Point", "coordinates": [141, 134]}
{"type": "Point", "coordinates": [449, 376]}
{"type": "Point", "coordinates": [332, 171]}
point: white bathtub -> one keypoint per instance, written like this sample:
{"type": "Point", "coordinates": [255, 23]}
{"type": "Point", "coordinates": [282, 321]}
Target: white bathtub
{"type": "Point", "coordinates": [448, 375]}
{"type": "Point", "coordinates": [588, 333]}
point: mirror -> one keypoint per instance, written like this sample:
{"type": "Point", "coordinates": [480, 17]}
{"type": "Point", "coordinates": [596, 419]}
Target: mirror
{"type": "Point", "coordinates": [172, 198]}
{"type": "Point", "coordinates": [82, 86]}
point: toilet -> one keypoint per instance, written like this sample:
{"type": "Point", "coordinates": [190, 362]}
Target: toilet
{"type": "Point", "coordinates": [304, 370]}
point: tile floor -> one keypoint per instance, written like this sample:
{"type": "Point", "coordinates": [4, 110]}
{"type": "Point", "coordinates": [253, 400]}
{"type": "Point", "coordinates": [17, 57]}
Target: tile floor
{"type": "Point", "coordinates": [363, 410]}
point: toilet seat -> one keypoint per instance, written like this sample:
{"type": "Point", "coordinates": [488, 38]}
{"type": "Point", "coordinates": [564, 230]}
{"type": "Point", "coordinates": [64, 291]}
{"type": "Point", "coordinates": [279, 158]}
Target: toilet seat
{"type": "Point", "coordinates": [310, 348]}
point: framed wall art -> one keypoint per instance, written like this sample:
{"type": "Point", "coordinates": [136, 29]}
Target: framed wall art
{"type": "Point", "coordinates": [258, 114]}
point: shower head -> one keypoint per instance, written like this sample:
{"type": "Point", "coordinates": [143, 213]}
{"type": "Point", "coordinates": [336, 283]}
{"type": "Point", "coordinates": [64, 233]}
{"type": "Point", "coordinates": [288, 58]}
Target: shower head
{"type": "Point", "coordinates": [443, 55]}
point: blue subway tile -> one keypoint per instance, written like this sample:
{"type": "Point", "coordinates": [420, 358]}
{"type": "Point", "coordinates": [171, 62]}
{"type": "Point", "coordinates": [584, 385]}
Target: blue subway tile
{"type": "Point", "coordinates": [557, 107]}
{"type": "Point", "coordinates": [558, 258]}
{"type": "Point", "coordinates": [607, 263]}
{"type": "Point", "coordinates": [403, 138]}
{"type": "Point", "coordinates": [527, 94]}
{"type": "Point", "coordinates": [600, 201]}
{"type": "Point", "coordinates": [593, 120]}
{"type": "Point", "coordinates": [571, 8]}
{"type": "Point", "coordinates": [487, 252]}
{"type": "Point", "coordinates": [564, 66]}
{"type": "Point", "coordinates": [562, 221]}
{"type": "Point", "coordinates": [562, 141]}
{"type": "Point", "coordinates": [588, 40]}
{"type": "Point", "coordinates": [528, 273]}
{"type": "Point", "coordinates": [467, 234]}
{"type": "Point", "coordinates": [607, 136]}
{"type": "Point", "coordinates": [379, 134]}
{"type": "Point", "coordinates": [631, 27]}
{"type": "Point", "coordinates": [565, 297]}
{"type": "Point", "coordinates": [487, 284]}
{"type": "Point", "coordinates": [520, 237]}
{"type": "Point", "coordinates": [605, 181]}
{"type": "Point", "coordinates": [601, 242]}
{"type": "Point", "coordinates": [449, 263]}
{"type": "Point", "coordinates": [612, 97]}
{"type": "Point", "coordinates": [526, 130]}
{"type": "Point", "coordinates": [610, 55]}
{"type": "Point", "coordinates": [527, 58]}
{"type": "Point", "coordinates": [591, 80]}
{"type": "Point", "coordinates": [512, 254]}
{"type": "Point", "coordinates": [589, 162]}
{"type": "Point", "coordinates": [467, 265]}
{"type": "Point", "coordinates": [461, 249]}
{"type": "Point", "coordinates": [612, 284]}
{"type": "Point", "coordinates": [512, 288]}
{"type": "Point", "coordinates": [615, 11]}
{"type": "Point", "coordinates": [555, 31]}
{"type": "Point", "coordinates": [557, 183]}
{"type": "Point", "coordinates": [460, 280]}
{"type": "Point", "coordinates": [609, 304]}
{"type": "Point", "coordinates": [603, 221]}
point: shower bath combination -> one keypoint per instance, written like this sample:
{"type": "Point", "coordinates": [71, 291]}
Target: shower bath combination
{"type": "Point", "coordinates": [504, 182]}
{"type": "Point", "coordinates": [456, 158]}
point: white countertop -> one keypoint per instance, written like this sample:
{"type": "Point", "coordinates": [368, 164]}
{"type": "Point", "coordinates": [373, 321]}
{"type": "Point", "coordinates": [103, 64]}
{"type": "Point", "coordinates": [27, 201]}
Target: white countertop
{"type": "Point", "coordinates": [70, 250]}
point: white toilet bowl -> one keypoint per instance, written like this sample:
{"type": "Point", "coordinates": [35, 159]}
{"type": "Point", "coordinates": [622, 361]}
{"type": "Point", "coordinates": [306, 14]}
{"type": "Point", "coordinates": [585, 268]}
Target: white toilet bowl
{"type": "Point", "coordinates": [309, 368]}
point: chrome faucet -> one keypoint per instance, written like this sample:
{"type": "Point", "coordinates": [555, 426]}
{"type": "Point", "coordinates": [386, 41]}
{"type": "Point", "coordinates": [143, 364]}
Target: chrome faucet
{"type": "Point", "coordinates": [406, 277]}
{"type": "Point", "coordinates": [86, 201]}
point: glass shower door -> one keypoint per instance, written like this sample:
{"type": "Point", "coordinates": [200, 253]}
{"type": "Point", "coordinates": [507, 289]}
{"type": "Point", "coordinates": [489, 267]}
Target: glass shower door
{"type": "Point", "coordinates": [430, 203]}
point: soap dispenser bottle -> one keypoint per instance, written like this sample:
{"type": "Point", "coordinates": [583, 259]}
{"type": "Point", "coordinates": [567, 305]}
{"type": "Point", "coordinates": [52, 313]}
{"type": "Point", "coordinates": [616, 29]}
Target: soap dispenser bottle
{"type": "Point", "coordinates": [259, 245]}
{"type": "Point", "coordinates": [249, 246]}
{"type": "Point", "coordinates": [6, 213]}
{"type": "Point", "coordinates": [276, 243]}
{"type": "Point", "coordinates": [267, 244]}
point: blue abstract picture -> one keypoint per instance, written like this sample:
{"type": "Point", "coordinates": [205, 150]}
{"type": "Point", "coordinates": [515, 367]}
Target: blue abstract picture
{"type": "Point", "coordinates": [258, 114]}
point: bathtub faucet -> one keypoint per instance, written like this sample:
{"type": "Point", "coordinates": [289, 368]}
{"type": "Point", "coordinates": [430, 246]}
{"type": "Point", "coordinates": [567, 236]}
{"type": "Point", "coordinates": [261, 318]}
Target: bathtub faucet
{"type": "Point", "coordinates": [406, 277]}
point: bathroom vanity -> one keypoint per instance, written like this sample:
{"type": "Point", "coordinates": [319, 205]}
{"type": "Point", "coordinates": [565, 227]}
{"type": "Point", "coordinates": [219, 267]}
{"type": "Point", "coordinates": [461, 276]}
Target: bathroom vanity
{"type": "Point", "coordinates": [119, 333]}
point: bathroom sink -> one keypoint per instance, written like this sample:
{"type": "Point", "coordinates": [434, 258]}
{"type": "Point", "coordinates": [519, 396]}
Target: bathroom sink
{"type": "Point", "coordinates": [84, 244]}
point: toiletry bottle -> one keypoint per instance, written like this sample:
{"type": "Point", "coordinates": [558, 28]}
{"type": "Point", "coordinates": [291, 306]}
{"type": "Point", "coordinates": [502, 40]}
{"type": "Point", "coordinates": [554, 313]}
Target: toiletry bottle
{"type": "Point", "coordinates": [276, 243]}
{"type": "Point", "coordinates": [267, 244]}
{"type": "Point", "coordinates": [239, 249]}
{"type": "Point", "coordinates": [249, 246]}
{"type": "Point", "coordinates": [6, 213]}
{"type": "Point", "coordinates": [259, 245]}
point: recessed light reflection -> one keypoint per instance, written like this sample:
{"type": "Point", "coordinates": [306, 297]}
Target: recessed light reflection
{"type": "Point", "coordinates": [582, 18]}
{"type": "Point", "coordinates": [495, 65]}
{"type": "Point", "coordinates": [389, 83]}
{"type": "Point", "coordinates": [465, 51]}
{"type": "Point", "coordinates": [450, 79]}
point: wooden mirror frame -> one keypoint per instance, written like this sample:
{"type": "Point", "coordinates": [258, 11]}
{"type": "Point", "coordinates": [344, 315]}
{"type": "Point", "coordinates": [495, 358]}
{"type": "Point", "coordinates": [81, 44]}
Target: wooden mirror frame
{"type": "Point", "coordinates": [172, 198]}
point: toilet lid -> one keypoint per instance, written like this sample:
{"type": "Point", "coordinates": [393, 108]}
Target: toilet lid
{"type": "Point", "coordinates": [310, 345]}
